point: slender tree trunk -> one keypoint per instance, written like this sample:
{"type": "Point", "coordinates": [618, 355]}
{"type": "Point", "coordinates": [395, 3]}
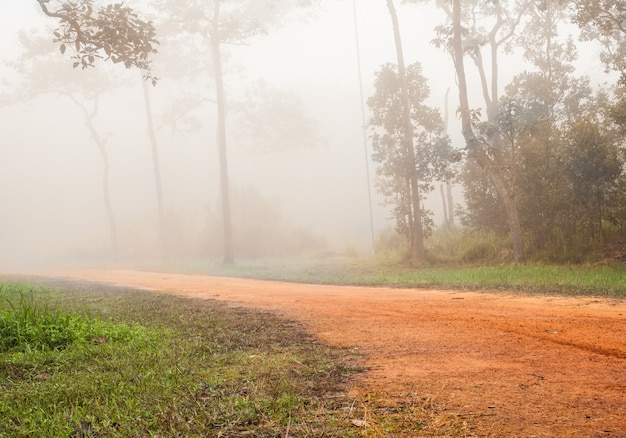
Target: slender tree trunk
{"type": "Point", "coordinates": [107, 198]}
{"type": "Point", "coordinates": [106, 170]}
{"type": "Point", "coordinates": [473, 146]}
{"type": "Point", "coordinates": [417, 243]}
{"type": "Point", "coordinates": [449, 207]}
{"type": "Point", "coordinates": [157, 169]}
{"type": "Point", "coordinates": [229, 255]}
{"type": "Point", "coordinates": [450, 204]}
{"type": "Point", "coordinates": [445, 204]}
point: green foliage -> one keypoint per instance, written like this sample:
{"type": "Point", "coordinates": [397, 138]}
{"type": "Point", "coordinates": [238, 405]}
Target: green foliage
{"type": "Point", "coordinates": [479, 252]}
{"type": "Point", "coordinates": [483, 207]}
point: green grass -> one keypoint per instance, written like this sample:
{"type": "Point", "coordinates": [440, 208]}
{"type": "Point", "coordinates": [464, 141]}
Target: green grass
{"type": "Point", "coordinates": [102, 361]}
{"type": "Point", "coordinates": [533, 278]}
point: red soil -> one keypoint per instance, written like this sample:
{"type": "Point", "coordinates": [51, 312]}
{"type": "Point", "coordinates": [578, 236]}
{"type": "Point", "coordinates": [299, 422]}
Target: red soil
{"type": "Point", "coordinates": [509, 365]}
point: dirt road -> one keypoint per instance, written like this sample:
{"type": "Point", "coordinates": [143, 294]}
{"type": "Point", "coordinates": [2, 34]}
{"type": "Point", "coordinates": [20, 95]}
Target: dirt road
{"type": "Point", "coordinates": [510, 366]}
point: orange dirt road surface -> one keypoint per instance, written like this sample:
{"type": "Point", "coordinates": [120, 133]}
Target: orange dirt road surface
{"type": "Point", "coordinates": [509, 365]}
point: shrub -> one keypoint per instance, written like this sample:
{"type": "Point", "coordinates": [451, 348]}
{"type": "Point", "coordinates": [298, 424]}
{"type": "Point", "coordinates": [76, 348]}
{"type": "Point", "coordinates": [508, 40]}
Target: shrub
{"type": "Point", "coordinates": [389, 240]}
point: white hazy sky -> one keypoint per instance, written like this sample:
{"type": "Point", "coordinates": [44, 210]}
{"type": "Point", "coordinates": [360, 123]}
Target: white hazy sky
{"type": "Point", "coordinates": [324, 190]}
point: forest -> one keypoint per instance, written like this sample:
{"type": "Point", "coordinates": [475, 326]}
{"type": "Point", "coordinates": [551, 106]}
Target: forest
{"type": "Point", "coordinates": [149, 130]}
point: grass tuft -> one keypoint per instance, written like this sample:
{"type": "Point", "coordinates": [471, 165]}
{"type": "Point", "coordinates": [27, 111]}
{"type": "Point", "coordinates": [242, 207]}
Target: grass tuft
{"type": "Point", "coordinates": [26, 326]}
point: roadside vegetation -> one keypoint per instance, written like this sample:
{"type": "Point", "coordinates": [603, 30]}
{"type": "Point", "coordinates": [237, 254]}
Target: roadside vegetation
{"type": "Point", "coordinates": [456, 259]}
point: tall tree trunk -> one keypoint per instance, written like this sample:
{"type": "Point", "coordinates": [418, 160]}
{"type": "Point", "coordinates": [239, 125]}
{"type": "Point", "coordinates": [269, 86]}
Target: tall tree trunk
{"type": "Point", "coordinates": [448, 202]}
{"type": "Point", "coordinates": [229, 254]}
{"type": "Point", "coordinates": [417, 242]}
{"type": "Point", "coordinates": [473, 145]}
{"type": "Point", "coordinates": [157, 169]}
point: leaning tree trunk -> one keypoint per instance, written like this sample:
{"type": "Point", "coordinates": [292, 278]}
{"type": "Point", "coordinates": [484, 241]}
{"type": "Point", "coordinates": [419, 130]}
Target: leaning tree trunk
{"type": "Point", "coordinates": [473, 145]}
{"type": "Point", "coordinates": [229, 254]}
{"type": "Point", "coordinates": [417, 241]}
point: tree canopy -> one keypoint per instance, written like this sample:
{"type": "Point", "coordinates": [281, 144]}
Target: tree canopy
{"type": "Point", "coordinates": [114, 32]}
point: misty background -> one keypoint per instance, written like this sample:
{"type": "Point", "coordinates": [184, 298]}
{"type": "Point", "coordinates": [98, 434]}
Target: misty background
{"type": "Point", "coordinates": [310, 183]}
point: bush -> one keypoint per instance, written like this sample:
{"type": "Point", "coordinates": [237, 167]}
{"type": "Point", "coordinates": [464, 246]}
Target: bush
{"type": "Point", "coordinates": [478, 252]}
{"type": "Point", "coordinates": [459, 245]}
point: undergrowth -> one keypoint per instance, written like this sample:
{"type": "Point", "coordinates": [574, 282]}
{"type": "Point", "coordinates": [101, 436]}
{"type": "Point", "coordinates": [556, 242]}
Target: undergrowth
{"type": "Point", "coordinates": [391, 270]}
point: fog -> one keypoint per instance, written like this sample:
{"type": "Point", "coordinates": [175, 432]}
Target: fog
{"type": "Point", "coordinates": [314, 189]}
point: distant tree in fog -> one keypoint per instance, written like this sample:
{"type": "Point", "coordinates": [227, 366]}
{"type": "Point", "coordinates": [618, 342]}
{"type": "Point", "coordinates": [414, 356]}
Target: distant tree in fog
{"type": "Point", "coordinates": [415, 214]}
{"type": "Point", "coordinates": [42, 72]}
{"type": "Point", "coordinates": [113, 33]}
{"type": "Point", "coordinates": [269, 119]}
{"type": "Point", "coordinates": [208, 27]}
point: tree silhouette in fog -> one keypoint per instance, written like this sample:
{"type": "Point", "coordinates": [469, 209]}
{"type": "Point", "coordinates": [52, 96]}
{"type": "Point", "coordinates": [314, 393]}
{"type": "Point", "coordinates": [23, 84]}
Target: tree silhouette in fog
{"type": "Point", "coordinates": [209, 27]}
{"type": "Point", "coordinates": [42, 72]}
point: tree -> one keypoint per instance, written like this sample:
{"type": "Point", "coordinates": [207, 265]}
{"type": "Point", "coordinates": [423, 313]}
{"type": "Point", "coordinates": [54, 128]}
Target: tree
{"type": "Point", "coordinates": [423, 159]}
{"type": "Point", "coordinates": [473, 27]}
{"type": "Point", "coordinates": [225, 22]}
{"type": "Point", "coordinates": [416, 230]}
{"type": "Point", "coordinates": [100, 141]}
{"type": "Point", "coordinates": [533, 115]}
{"type": "Point", "coordinates": [269, 119]}
{"type": "Point", "coordinates": [604, 21]}
{"type": "Point", "coordinates": [113, 33]}
{"type": "Point", "coordinates": [41, 72]}
{"type": "Point", "coordinates": [562, 141]}
{"type": "Point", "coordinates": [593, 167]}
{"type": "Point", "coordinates": [446, 193]}
{"type": "Point", "coordinates": [156, 167]}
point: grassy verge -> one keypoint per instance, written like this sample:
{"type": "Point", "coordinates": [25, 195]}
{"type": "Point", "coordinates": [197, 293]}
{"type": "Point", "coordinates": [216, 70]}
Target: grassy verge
{"type": "Point", "coordinates": [110, 362]}
{"type": "Point", "coordinates": [601, 280]}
